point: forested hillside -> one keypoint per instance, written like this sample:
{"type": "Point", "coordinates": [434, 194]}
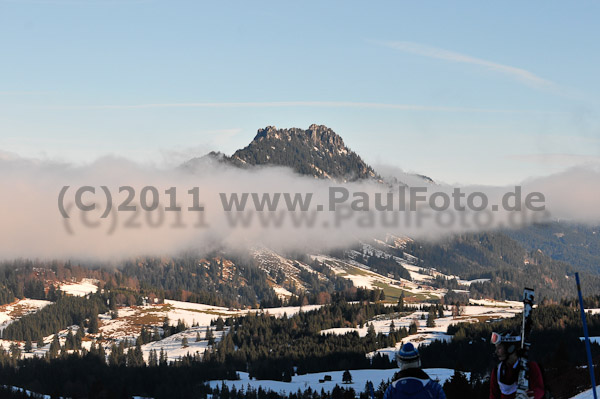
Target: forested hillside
{"type": "Point", "coordinates": [576, 244]}
{"type": "Point", "coordinates": [507, 264]}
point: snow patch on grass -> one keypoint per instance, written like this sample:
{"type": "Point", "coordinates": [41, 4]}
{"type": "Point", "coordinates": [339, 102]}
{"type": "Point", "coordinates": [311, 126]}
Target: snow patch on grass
{"type": "Point", "coordinates": [84, 287]}
{"type": "Point", "coordinates": [13, 311]}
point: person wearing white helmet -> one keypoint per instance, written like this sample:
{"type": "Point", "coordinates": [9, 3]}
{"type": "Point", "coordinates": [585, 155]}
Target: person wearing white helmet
{"type": "Point", "coordinates": [413, 382]}
{"type": "Point", "coordinates": [504, 378]}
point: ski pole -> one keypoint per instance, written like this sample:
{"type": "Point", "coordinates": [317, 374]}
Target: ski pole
{"type": "Point", "coordinates": [587, 337]}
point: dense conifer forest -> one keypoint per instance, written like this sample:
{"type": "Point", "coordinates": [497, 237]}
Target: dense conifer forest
{"type": "Point", "coordinates": [233, 282]}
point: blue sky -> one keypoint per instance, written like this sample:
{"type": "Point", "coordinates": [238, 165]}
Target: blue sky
{"type": "Point", "coordinates": [464, 92]}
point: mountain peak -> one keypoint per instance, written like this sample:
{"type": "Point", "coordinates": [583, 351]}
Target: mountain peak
{"type": "Point", "coordinates": [267, 132]}
{"type": "Point", "coordinates": [317, 151]}
{"type": "Point", "coordinates": [319, 135]}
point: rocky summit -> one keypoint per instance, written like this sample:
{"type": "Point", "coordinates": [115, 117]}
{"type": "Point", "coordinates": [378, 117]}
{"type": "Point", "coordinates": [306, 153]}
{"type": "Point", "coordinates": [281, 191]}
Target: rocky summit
{"type": "Point", "coordinates": [316, 151]}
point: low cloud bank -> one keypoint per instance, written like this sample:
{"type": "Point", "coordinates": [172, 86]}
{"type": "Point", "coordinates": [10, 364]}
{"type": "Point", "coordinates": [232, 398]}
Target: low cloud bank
{"type": "Point", "coordinates": [157, 211]}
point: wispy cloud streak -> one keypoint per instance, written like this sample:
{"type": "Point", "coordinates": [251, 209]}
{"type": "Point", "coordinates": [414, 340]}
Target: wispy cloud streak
{"type": "Point", "coordinates": [287, 104]}
{"type": "Point", "coordinates": [519, 74]}
{"type": "Point", "coordinates": [77, 2]}
{"type": "Point", "coordinates": [557, 159]}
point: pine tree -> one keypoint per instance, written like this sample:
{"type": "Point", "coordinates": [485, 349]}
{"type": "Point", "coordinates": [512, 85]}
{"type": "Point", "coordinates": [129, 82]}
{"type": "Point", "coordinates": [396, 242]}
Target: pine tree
{"type": "Point", "coordinates": [184, 342]}
{"type": "Point", "coordinates": [162, 360]}
{"type": "Point", "coordinates": [131, 361]}
{"type": "Point", "coordinates": [94, 325]}
{"type": "Point", "coordinates": [70, 342]}
{"type": "Point", "coordinates": [114, 357]}
{"type": "Point", "coordinates": [413, 328]}
{"type": "Point", "coordinates": [138, 356]}
{"type": "Point", "coordinates": [371, 331]}
{"type": "Point", "coordinates": [198, 339]}
{"type": "Point", "coordinates": [219, 324]}
{"type": "Point", "coordinates": [458, 386]}
{"type": "Point", "coordinates": [93, 349]}
{"type": "Point", "coordinates": [431, 319]}
{"type": "Point", "coordinates": [79, 336]}
{"type": "Point", "coordinates": [152, 360]}
{"type": "Point", "coordinates": [209, 336]}
{"type": "Point", "coordinates": [15, 351]}
{"type": "Point", "coordinates": [287, 375]}
{"type": "Point", "coordinates": [54, 347]}
{"type": "Point", "coordinates": [101, 352]}
{"type": "Point", "coordinates": [457, 310]}
{"type": "Point", "coordinates": [28, 346]}
{"type": "Point", "coordinates": [347, 377]}
{"type": "Point", "coordinates": [166, 327]}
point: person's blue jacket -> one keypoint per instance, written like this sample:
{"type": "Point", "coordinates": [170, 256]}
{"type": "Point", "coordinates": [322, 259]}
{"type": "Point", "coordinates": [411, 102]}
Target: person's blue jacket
{"type": "Point", "coordinates": [414, 384]}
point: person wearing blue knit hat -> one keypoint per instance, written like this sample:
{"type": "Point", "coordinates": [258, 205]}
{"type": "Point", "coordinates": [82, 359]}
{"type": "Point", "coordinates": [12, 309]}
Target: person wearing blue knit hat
{"type": "Point", "coordinates": [413, 382]}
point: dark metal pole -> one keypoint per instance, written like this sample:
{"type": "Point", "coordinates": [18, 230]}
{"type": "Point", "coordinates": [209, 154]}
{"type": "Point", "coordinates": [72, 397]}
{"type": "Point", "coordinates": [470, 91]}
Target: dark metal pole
{"type": "Point", "coordinates": [587, 337]}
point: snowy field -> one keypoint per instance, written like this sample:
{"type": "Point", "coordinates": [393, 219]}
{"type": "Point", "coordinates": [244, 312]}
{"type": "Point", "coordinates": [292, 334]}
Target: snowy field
{"type": "Point", "coordinates": [302, 382]}
{"type": "Point", "coordinates": [130, 320]}
{"type": "Point", "coordinates": [84, 287]}
{"type": "Point", "coordinates": [587, 394]}
{"type": "Point", "coordinates": [197, 317]}
{"type": "Point", "coordinates": [425, 335]}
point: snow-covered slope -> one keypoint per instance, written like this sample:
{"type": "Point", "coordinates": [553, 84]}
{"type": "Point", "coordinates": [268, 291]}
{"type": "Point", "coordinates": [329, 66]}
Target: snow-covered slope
{"type": "Point", "coordinates": [362, 276]}
{"type": "Point", "coordinates": [587, 394]}
{"type": "Point", "coordinates": [302, 382]}
{"type": "Point", "coordinates": [82, 288]}
{"type": "Point", "coordinates": [13, 311]}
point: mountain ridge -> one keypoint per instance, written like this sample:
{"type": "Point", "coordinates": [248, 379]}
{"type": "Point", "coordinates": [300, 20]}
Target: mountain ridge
{"type": "Point", "coordinates": [317, 151]}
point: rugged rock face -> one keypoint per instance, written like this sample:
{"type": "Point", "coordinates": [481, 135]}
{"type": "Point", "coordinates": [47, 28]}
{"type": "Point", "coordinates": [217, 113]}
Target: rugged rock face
{"type": "Point", "coordinates": [317, 151]}
{"type": "Point", "coordinates": [319, 135]}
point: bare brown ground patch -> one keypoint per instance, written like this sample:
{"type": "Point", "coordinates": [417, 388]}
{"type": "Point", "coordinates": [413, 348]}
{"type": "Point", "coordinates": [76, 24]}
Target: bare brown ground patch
{"type": "Point", "coordinates": [131, 324]}
{"type": "Point", "coordinates": [18, 309]}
